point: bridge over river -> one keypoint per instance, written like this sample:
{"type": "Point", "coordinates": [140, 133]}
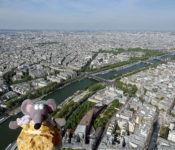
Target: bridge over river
{"type": "Point", "coordinates": [105, 81]}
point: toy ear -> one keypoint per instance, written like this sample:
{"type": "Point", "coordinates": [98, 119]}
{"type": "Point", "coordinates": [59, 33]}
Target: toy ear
{"type": "Point", "coordinates": [51, 103]}
{"type": "Point", "coordinates": [26, 106]}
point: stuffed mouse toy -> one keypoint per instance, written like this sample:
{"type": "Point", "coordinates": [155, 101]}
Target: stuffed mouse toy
{"type": "Point", "coordinates": [39, 129]}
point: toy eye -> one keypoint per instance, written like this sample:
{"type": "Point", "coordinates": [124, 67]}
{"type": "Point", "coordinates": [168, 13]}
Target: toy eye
{"type": "Point", "coordinates": [41, 106]}
{"type": "Point", "coordinates": [36, 107]}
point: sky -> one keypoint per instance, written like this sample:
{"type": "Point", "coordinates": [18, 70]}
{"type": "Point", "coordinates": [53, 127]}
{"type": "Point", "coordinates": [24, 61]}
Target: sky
{"type": "Point", "coordinates": [141, 15]}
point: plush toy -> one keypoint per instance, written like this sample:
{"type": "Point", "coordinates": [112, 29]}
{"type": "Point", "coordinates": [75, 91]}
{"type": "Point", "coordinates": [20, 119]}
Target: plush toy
{"type": "Point", "coordinates": [39, 129]}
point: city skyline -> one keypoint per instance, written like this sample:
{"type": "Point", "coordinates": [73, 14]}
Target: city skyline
{"type": "Point", "coordinates": [131, 15]}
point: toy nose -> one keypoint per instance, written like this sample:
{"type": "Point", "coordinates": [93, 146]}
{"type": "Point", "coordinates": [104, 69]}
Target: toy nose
{"type": "Point", "coordinates": [37, 126]}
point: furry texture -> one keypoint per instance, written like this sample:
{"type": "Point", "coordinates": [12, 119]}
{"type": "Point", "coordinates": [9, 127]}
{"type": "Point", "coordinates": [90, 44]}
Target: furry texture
{"type": "Point", "coordinates": [39, 132]}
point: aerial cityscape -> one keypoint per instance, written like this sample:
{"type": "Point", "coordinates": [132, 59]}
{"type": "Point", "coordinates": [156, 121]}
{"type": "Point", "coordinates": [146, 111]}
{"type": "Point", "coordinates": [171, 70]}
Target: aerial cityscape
{"type": "Point", "coordinates": [87, 75]}
{"type": "Point", "coordinates": [128, 105]}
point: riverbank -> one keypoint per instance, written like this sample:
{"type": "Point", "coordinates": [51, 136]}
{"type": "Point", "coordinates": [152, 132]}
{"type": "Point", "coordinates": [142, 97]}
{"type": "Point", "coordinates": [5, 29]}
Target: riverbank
{"type": "Point", "coordinates": [125, 67]}
{"type": "Point", "coordinates": [66, 83]}
{"type": "Point", "coordinates": [132, 64]}
{"type": "Point", "coordinates": [8, 136]}
{"type": "Point", "coordinates": [116, 68]}
{"type": "Point", "coordinates": [60, 94]}
{"type": "Point", "coordinates": [32, 94]}
{"type": "Point", "coordinates": [18, 109]}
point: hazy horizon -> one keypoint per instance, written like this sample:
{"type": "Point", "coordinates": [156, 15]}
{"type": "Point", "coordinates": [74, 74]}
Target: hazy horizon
{"type": "Point", "coordinates": [80, 30]}
{"type": "Point", "coordinates": [101, 15]}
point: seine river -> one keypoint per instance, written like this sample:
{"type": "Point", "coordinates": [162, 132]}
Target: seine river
{"type": "Point", "coordinates": [7, 135]}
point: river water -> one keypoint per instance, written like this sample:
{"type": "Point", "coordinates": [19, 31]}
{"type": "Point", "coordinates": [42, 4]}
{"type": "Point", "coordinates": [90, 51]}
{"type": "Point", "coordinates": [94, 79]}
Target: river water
{"type": "Point", "coordinates": [114, 73]}
{"type": "Point", "coordinates": [8, 136]}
